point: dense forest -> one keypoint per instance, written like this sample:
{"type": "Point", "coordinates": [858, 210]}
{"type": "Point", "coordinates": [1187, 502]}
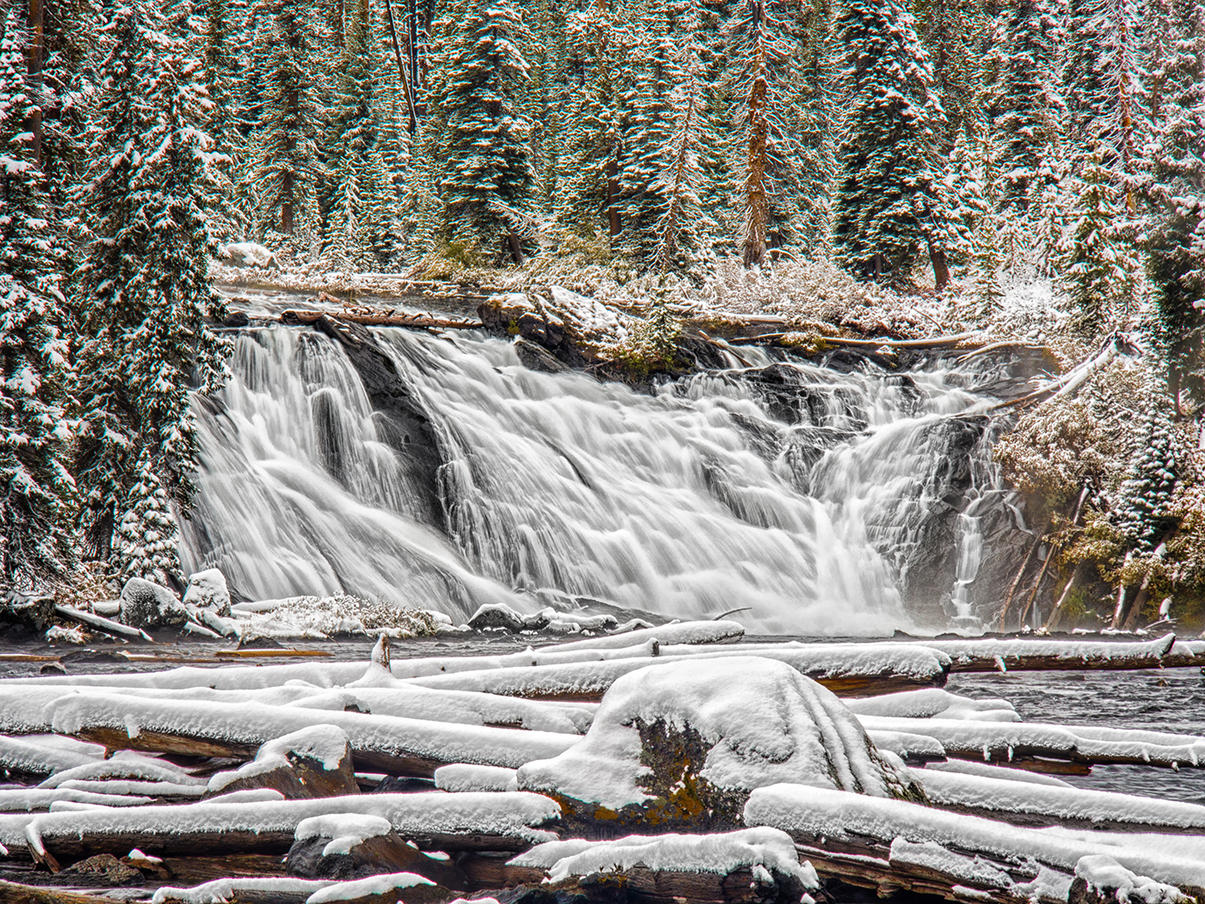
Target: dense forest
{"type": "Point", "coordinates": [930, 147]}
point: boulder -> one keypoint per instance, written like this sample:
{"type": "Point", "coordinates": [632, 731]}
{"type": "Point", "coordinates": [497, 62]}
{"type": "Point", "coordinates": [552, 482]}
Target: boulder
{"type": "Point", "coordinates": [355, 845]}
{"type": "Point", "coordinates": [498, 616]}
{"type": "Point", "coordinates": [308, 763]}
{"type": "Point", "coordinates": [26, 611]}
{"type": "Point", "coordinates": [682, 744]}
{"type": "Point", "coordinates": [207, 590]}
{"type": "Point", "coordinates": [145, 604]}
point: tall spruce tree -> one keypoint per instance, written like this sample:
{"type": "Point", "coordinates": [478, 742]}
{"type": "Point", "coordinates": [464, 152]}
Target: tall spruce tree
{"type": "Point", "coordinates": [289, 171]}
{"type": "Point", "coordinates": [487, 180]}
{"type": "Point", "coordinates": [36, 487]}
{"type": "Point", "coordinates": [886, 206]}
{"type": "Point", "coordinates": [145, 293]}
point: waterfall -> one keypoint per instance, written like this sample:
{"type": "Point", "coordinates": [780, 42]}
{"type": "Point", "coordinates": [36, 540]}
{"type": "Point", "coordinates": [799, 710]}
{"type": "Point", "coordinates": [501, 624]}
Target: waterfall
{"type": "Point", "coordinates": [800, 493]}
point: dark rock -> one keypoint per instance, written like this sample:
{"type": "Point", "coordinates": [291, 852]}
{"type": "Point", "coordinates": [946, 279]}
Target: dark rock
{"type": "Point", "coordinates": [236, 319]}
{"type": "Point", "coordinates": [148, 605]}
{"type": "Point", "coordinates": [296, 765]}
{"type": "Point", "coordinates": [494, 616]}
{"type": "Point", "coordinates": [536, 357]}
{"type": "Point", "coordinates": [374, 856]}
{"type": "Point", "coordinates": [22, 611]}
{"type": "Point", "coordinates": [392, 784]}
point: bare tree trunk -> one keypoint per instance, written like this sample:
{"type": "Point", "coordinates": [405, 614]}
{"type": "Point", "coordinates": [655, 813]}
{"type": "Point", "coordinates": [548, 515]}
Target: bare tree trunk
{"type": "Point", "coordinates": [34, 57]}
{"type": "Point", "coordinates": [286, 204]}
{"type": "Point", "coordinates": [613, 222]}
{"type": "Point", "coordinates": [1056, 614]}
{"type": "Point", "coordinates": [757, 205]}
{"type": "Point", "coordinates": [401, 68]}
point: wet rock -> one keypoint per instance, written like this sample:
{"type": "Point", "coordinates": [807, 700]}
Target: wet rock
{"type": "Point", "coordinates": [148, 605]}
{"type": "Point", "coordinates": [536, 357]}
{"type": "Point", "coordinates": [207, 590]}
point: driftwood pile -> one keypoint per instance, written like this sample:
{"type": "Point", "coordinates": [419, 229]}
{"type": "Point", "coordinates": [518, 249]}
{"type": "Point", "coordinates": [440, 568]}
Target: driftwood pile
{"type": "Point", "coordinates": [426, 780]}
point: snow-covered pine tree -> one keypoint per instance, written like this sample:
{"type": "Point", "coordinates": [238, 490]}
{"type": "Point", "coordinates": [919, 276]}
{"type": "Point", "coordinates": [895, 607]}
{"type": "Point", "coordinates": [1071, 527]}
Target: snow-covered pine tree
{"type": "Point", "coordinates": [487, 180]}
{"type": "Point", "coordinates": [224, 24]}
{"type": "Point", "coordinates": [1143, 504]}
{"type": "Point", "coordinates": [598, 66]}
{"type": "Point", "coordinates": [36, 488]}
{"type": "Point", "coordinates": [769, 172]}
{"type": "Point", "coordinates": [289, 169]}
{"type": "Point", "coordinates": [148, 538]}
{"type": "Point", "coordinates": [1099, 274]}
{"type": "Point", "coordinates": [1028, 105]}
{"type": "Point", "coordinates": [1176, 195]}
{"type": "Point", "coordinates": [953, 33]}
{"type": "Point", "coordinates": [145, 294]}
{"type": "Point", "coordinates": [886, 203]}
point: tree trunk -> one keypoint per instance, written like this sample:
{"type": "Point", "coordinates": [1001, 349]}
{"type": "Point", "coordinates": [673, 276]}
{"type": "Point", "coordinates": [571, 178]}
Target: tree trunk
{"type": "Point", "coordinates": [34, 56]}
{"type": "Point", "coordinates": [401, 67]}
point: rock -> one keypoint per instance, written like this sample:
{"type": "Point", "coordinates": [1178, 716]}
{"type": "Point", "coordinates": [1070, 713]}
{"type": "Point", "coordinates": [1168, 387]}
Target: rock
{"type": "Point", "coordinates": [27, 611]}
{"type": "Point", "coordinates": [148, 605]}
{"type": "Point", "coordinates": [353, 845]}
{"type": "Point", "coordinates": [247, 254]}
{"type": "Point", "coordinates": [309, 763]}
{"type": "Point", "coordinates": [536, 357]}
{"type": "Point", "coordinates": [207, 590]}
{"type": "Point", "coordinates": [682, 744]}
{"type": "Point", "coordinates": [104, 869]}
{"type": "Point", "coordinates": [495, 616]}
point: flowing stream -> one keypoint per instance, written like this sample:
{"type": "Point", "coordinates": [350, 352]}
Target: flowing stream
{"type": "Point", "coordinates": [817, 499]}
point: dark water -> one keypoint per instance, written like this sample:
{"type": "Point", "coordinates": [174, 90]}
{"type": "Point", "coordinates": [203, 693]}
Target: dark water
{"type": "Point", "coordinates": [1154, 699]}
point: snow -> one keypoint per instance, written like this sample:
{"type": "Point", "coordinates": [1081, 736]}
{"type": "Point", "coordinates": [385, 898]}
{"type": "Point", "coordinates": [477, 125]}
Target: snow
{"type": "Point", "coordinates": [42, 754]}
{"type": "Point", "coordinates": [253, 724]}
{"type": "Point", "coordinates": [345, 830]}
{"type": "Point", "coordinates": [760, 850]}
{"type": "Point", "coordinates": [1105, 875]}
{"type": "Point", "coordinates": [126, 764]}
{"type": "Point", "coordinates": [224, 891]}
{"type": "Point", "coordinates": [247, 254]}
{"type": "Point", "coordinates": [512, 815]}
{"type": "Point", "coordinates": [326, 744]}
{"type": "Point", "coordinates": [932, 701]}
{"type": "Point", "coordinates": [207, 590]}
{"type": "Point", "coordinates": [1065, 804]}
{"type": "Point", "coordinates": [987, 770]}
{"type": "Point", "coordinates": [360, 888]}
{"type": "Point", "coordinates": [761, 720]}
{"type": "Point", "coordinates": [465, 777]}
{"type": "Point", "coordinates": [821, 812]}
{"type": "Point", "coordinates": [13, 800]}
{"type": "Point", "coordinates": [690, 632]}
{"type": "Point", "coordinates": [1074, 652]}
{"type": "Point", "coordinates": [73, 634]}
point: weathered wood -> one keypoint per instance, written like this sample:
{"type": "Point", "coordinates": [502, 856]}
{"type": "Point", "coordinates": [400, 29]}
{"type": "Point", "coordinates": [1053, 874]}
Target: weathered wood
{"type": "Point", "coordinates": [99, 623]}
{"type": "Point", "coordinates": [369, 317]}
{"type": "Point", "coordinates": [161, 742]}
{"type": "Point", "coordinates": [13, 893]}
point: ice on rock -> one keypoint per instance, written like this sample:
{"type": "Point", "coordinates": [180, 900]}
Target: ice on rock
{"type": "Point", "coordinates": [763, 851]}
{"type": "Point", "coordinates": [207, 590]}
{"type": "Point", "coordinates": [684, 735]}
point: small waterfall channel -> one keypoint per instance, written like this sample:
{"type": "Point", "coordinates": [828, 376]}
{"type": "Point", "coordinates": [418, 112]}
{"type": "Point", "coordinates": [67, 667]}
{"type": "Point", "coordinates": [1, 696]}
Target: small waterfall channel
{"type": "Point", "coordinates": [823, 500]}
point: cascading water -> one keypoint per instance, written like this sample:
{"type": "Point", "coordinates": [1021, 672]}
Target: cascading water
{"type": "Point", "coordinates": [792, 490]}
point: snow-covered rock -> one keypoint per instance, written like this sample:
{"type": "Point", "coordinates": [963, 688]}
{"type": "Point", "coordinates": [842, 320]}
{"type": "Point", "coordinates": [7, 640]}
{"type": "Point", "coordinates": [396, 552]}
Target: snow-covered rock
{"type": "Point", "coordinates": [311, 762]}
{"type": "Point", "coordinates": [247, 254]}
{"type": "Point", "coordinates": [207, 590]}
{"type": "Point", "coordinates": [1100, 878]}
{"type": "Point", "coordinates": [147, 605]}
{"type": "Point", "coordinates": [684, 743]}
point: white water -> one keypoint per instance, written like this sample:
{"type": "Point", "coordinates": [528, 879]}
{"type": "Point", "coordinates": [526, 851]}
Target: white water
{"type": "Point", "coordinates": [687, 503]}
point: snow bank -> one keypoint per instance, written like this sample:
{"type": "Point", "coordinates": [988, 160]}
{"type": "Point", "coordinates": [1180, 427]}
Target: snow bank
{"type": "Point", "coordinates": [760, 850]}
{"type": "Point", "coordinates": [812, 812]}
{"type": "Point", "coordinates": [760, 720]}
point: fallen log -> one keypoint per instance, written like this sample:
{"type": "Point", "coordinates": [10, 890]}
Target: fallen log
{"type": "Point", "coordinates": [14, 893]}
{"type": "Point", "coordinates": [1044, 654]}
{"type": "Point", "coordinates": [100, 623]}
{"type": "Point", "coordinates": [437, 820]}
{"type": "Point", "coordinates": [369, 317]}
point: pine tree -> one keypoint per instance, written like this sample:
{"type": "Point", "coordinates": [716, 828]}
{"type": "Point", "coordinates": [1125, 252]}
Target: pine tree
{"type": "Point", "coordinates": [289, 169]}
{"type": "Point", "coordinates": [1028, 106]}
{"type": "Point", "coordinates": [1100, 277]}
{"type": "Point", "coordinates": [1144, 499]}
{"type": "Point", "coordinates": [144, 286]}
{"type": "Point", "coordinates": [487, 179]}
{"type": "Point", "coordinates": [886, 204]}
{"type": "Point", "coordinates": [952, 32]}
{"type": "Point", "coordinates": [221, 51]}
{"type": "Point", "coordinates": [1176, 262]}
{"type": "Point", "coordinates": [147, 537]}
{"type": "Point", "coordinates": [36, 487]}
{"type": "Point", "coordinates": [769, 175]}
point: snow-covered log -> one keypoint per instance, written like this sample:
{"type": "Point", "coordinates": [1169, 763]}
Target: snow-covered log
{"type": "Point", "coordinates": [1043, 654]}
{"type": "Point", "coordinates": [880, 842]}
{"type": "Point", "coordinates": [446, 821]}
